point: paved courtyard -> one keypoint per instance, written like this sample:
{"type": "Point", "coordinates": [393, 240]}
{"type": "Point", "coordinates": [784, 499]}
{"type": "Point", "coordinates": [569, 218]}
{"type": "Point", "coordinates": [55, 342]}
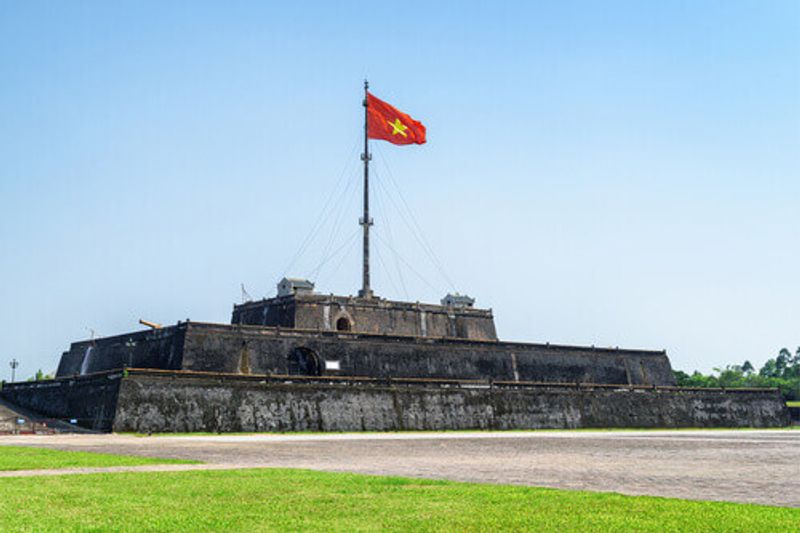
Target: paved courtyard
{"type": "Point", "coordinates": [740, 466]}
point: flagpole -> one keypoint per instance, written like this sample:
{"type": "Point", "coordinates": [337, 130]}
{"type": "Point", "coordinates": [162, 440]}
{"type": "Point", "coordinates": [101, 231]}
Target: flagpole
{"type": "Point", "coordinates": [366, 222]}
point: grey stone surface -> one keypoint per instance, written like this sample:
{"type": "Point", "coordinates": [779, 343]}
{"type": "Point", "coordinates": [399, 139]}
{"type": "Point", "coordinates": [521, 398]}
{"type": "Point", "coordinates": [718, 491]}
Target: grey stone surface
{"type": "Point", "coordinates": [729, 465]}
{"type": "Point", "coordinates": [265, 350]}
{"type": "Point", "coordinates": [164, 404]}
{"type": "Point", "coordinates": [179, 401]}
{"type": "Point", "coordinates": [373, 315]}
{"type": "Point", "coordinates": [90, 400]}
{"type": "Point", "coordinates": [160, 348]}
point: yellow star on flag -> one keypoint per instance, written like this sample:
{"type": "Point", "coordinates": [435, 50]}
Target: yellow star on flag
{"type": "Point", "coordinates": [398, 127]}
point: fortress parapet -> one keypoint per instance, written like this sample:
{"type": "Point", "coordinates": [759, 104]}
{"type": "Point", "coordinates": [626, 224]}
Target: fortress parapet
{"type": "Point", "coordinates": [310, 311]}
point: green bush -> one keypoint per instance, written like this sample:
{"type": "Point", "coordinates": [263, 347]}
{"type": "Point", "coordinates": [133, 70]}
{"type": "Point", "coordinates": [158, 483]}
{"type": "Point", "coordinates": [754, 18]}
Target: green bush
{"type": "Point", "coordinates": [782, 372]}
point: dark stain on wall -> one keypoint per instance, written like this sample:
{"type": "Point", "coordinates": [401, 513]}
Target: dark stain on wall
{"type": "Point", "coordinates": [155, 401]}
{"type": "Point", "coordinates": [150, 403]}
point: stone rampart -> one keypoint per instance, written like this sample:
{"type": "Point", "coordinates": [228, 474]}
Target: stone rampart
{"type": "Point", "coordinates": [183, 402]}
{"type": "Point", "coordinates": [258, 350]}
{"type": "Point", "coordinates": [167, 401]}
{"type": "Point", "coordinates": [154, 348]}
{"type": "Point", "coordinates": [264, 350]}
{"type": "Point", "coordinates": [90, 400]}
{"type": "Point", "coordinates": [374, 315]}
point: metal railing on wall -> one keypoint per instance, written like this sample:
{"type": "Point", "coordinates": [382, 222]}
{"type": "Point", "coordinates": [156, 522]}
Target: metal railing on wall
{"type": "Point", "coordinates": [437, 382]}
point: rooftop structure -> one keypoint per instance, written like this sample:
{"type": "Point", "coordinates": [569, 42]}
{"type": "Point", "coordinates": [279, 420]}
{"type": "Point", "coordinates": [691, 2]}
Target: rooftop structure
{"type": "Point", "coordinates": [289, 286]}
{"type": "Point", "coordinates": [458, 300]}
{"type": "Point", "coordinates": [309, 311]}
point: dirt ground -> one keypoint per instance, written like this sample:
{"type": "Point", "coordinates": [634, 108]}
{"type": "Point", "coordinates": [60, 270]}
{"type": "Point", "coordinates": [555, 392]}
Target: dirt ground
{"type": "Point", "coordinates": [739, 466]}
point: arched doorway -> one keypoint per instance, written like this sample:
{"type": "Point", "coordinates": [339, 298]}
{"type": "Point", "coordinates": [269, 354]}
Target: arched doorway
{"type": "Point", "coordinates": [304, 362]}
{"type": "Point", "coordinates": [343, 324]}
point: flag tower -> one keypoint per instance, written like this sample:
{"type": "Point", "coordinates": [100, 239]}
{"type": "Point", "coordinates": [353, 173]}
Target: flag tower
{"type": "Point", "coordinates": [386, 123]}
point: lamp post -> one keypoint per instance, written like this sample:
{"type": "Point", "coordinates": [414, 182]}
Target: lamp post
{"type": "Point", "coordinates": [13, 364]}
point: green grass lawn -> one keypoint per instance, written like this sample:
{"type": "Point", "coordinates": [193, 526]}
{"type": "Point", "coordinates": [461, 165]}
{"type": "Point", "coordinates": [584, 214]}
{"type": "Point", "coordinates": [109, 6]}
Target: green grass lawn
{"type": "Point", "coordinates": [26, 458]}
{"type": "Point", "coordinates": [280, 499]}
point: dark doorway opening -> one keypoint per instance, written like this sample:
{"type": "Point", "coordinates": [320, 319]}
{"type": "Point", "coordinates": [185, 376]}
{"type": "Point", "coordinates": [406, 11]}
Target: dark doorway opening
{"type": "Point", "coordinates": [304, 362]}
{"type": "Point", "coordinates": [343, 324]}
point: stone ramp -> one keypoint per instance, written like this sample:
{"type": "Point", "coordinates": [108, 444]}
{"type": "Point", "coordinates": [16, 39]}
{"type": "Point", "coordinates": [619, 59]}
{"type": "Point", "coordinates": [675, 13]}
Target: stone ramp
{"type": "Point", "coordinates": [15, 420]}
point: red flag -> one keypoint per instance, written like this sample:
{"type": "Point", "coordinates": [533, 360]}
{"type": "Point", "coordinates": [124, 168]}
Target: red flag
{"type": "Point", "coordinates": [387, 123]}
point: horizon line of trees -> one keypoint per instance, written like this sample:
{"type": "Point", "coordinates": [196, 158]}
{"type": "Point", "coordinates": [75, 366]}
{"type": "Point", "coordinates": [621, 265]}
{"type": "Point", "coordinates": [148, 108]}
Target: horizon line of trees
{"type": "Point", "coordinates": [782, 372]}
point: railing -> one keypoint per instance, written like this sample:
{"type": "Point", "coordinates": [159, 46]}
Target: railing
{"type": "Point", "coordinates": [365, 380]}
{"type": "Point", "coordinates": [438, 382]}
{"type": "Point", "coordinates": [278, 331]}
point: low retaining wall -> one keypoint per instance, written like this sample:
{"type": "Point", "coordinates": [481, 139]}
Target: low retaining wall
{"type": "Point", "coordinates": [90, 400]}
{"type": "Point", "coordinates": [172, 402]}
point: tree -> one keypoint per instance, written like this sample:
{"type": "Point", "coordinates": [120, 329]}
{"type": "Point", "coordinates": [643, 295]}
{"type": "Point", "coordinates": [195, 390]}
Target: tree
{"type": "Point", "coordinates": [770, 369]}
{"type": "Point", "coordinates": [782, 372]}
{"type": "Point", "coordinates": [681, 378]}
{"type": "Point", "coordinates": [40, 375]}
{"type": "Point", "coordinates": [783, 361]}
{"type": "Point", "coordinates": [792, 370]}
{"type": "Point", "coordinates": [730, 376]}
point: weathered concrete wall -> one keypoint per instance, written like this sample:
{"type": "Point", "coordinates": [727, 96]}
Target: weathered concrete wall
{"type": "Point", "coordinates": [92, 400]}
{"type": "Point", "coordinates": [222, 348]}
{"type": "Point", "coordinates": [376, 316]}
{"type": "Point", "coordinates": [205, 403]}
{"type": "Point", "coordinates": [158, 348]}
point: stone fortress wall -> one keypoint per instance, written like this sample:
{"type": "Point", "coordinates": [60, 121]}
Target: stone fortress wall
{"type": "Point", "coordinates": [264, 350]}
{"type": "Point", "coordinates": [316, 335]}
{"type": "Point", "coordinates": [307, 362]}
{"type": "Point", "coordinates": [181, 401]}
{"type": "Point", "coordinates": [378, 316]}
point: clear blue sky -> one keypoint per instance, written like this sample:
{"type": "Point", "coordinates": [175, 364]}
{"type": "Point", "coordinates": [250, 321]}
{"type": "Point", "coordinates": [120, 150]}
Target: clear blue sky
{"type": "Point", "coordinates": [609, 173]}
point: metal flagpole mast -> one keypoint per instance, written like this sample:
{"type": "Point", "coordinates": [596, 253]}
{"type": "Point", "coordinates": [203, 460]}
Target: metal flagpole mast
{"type": "Point", "coordinates": [366, 222]}
{"type": "Point", "coordinates": [14, 364]}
